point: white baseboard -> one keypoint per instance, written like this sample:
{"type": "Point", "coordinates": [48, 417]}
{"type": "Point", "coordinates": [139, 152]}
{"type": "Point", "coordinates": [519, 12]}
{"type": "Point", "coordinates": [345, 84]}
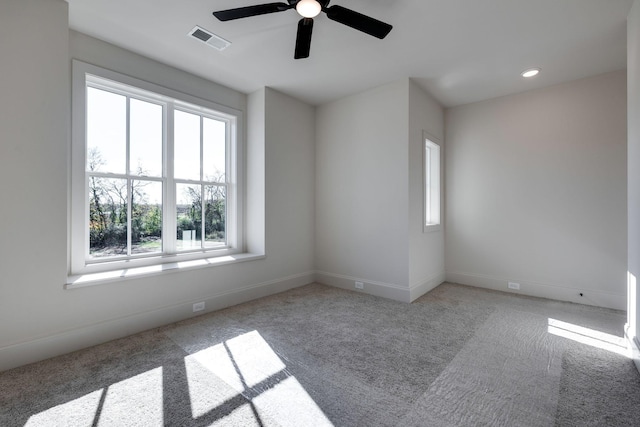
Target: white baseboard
{"type": "Point", "coordinates": [542, 290]}
{"type": "Point", "coordinates": [421, 288]}
{"type": "Point", "coordinates": [65, 342]}
{"type": "Point", "coordinates": [381, 289]}
{"type": "Point", "coordinates": [371, 287]}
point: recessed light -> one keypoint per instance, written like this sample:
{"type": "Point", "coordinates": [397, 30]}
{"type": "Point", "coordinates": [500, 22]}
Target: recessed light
{"type": "Point", "coordinates": [531, 72]}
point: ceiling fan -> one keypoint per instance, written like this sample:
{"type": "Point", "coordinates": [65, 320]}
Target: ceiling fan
{"type": "Point", "coordinates": [309, 9]}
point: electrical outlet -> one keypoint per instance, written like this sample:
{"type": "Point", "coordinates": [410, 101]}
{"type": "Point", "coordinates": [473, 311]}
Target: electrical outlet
{"type": "Point", "coordinates": [513, 285]}
{"type": "Point", "coordinates": [199, 306]}
{"type": "Point", "coordinates": [359, 285]}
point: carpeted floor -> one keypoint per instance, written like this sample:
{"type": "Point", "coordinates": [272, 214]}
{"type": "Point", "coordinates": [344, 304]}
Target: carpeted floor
{"type": "Point", "coordinates": [321, 356]}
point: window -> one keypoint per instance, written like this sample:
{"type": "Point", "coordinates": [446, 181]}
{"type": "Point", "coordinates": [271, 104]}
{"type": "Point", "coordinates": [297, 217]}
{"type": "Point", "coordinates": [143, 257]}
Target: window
{"type": "Point", "coordinates": [155, 175]}
{"type": "Point", "coordinates": [431, 184]}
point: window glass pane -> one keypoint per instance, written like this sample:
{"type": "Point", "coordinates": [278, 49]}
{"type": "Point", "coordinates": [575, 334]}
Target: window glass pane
{"type": "Point", "coordinates": [187, 146]}
{"type": "Point", "coordinates": [107, 217]}
{"type": "Point", "coordinates": [145, 138]}
{"type": "Point", "coordinates": [120, 194]}
{"type": "Point", "coordinates": [215, 212]}
{"type": "Point", "coordinates": [432, 183]}
{"type": "Point", "coordinates": [146, 216]}
{"type": "Point", "coordinates": [189, 216]}
{"type": "Point", "coordinates": [427, 163]}
{"type": "Point", "coordinates": [214, 141]}
{"type": "Point", "coordinates": [106, 131]}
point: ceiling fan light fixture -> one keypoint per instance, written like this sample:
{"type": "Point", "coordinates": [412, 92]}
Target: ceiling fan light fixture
{"type": "Point", "coordinates": [308, 8]}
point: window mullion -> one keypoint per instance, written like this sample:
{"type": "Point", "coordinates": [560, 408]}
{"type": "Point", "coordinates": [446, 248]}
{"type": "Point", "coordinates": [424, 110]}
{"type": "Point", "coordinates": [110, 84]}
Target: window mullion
{"type": "Point", "coordinates": [169, 207]}
{"type": "Point", "coordinates": [128, 172]}
{"type": "Point", "coordinates": [202, 201]}
{"type": "Point", "coordinates": [226, 212]}
{"type": "Point", "coordinates": [202, 215]}
{"type": "Point", "coordinates": [129, 213]}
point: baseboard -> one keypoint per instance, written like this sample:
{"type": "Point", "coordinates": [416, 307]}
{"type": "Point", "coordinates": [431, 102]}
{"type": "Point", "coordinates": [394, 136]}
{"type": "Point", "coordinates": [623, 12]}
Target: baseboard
{"type": "Point", "coordinates": [42, 348]}
{"type": "Point", "coordinates": [421, 288]}
{"type": "Point", "coordinates": [542, 290]}
{"type": "Point", "coordinates": [371, 287]}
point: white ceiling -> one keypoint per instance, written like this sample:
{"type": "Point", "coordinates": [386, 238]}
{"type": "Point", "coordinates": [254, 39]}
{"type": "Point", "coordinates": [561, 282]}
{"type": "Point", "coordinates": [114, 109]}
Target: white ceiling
{"type": "Point", "coordinates": [460, 51]}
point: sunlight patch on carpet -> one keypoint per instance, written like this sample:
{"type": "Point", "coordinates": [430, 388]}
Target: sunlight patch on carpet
{"type": "Point", "coordinates": [122, 403]}
{"type": "Point", "coordinates": [588, 336]}
{"type": "Point", "coordinates": [243, 416]}
{"type": "Point", "coordinates": [80, 411]}
{"type": "Point", "coordinates": [134, 399]}
{"type": "Point", "coordinates": [290, 404]}
{"type": "Point", "coordinates": [249, 367]}
{"type": "Point", "coordinates": [205, 370]}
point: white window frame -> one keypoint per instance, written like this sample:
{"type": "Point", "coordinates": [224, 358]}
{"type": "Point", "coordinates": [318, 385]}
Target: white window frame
{"type": "Point", "coordinates": [79, 262]}
{"type": "Point", "coordinates": [432, 166]}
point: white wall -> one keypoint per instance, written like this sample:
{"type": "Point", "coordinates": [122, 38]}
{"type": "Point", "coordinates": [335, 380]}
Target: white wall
{"type": "Point", "coordinates": [536, 192]}
{"type": "Point", "coordinates": [633, 154]}
{"type": "Point", "coordinates": [38, 318]}
{"type": "Point", "coordinates": [362, 189]}
{"type": "Point", "coordinates": [290, 181]}
{"type": "Point", "coordinates": [34, 128]}
{"type": "Point", "coordinates": [367, 180]}
{"type": "Point", "coordinates": [426, 250]}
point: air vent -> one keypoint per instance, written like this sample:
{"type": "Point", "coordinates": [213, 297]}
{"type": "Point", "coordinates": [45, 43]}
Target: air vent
{"type": "Point", "coordinates": [209, 38]}
{"type": "Point", "coordinates": [199, 34]}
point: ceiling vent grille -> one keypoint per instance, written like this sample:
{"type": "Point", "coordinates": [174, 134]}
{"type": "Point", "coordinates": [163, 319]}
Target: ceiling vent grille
{"type": "Point", "coordinates": [209, 38]}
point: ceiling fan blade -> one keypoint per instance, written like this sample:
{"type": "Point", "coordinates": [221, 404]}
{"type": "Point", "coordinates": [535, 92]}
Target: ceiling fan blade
{"type": "Point", "coordinates": [358, 21]}
{"type": "Point", "coordinates": [247, 11]}
{"type": "Point", "coordinates": [303, 39]}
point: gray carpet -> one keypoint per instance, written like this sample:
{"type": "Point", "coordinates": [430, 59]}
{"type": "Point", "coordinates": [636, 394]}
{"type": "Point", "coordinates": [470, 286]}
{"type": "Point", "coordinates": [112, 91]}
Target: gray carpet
{"type": "Point", "coordinates": [316, 355]}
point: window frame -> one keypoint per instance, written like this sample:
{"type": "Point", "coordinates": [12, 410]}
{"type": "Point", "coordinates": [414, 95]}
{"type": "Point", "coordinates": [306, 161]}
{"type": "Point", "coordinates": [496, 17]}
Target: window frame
{"type": "Point", "coordinates": [432, 179]}
{"type": "Point", "coordinates": [84, 75]}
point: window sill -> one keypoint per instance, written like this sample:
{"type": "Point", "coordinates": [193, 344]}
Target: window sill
{"type": "Point", "coordinates": [429, 228]}
{"type": "Point", "coordinates": [92, 279]}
